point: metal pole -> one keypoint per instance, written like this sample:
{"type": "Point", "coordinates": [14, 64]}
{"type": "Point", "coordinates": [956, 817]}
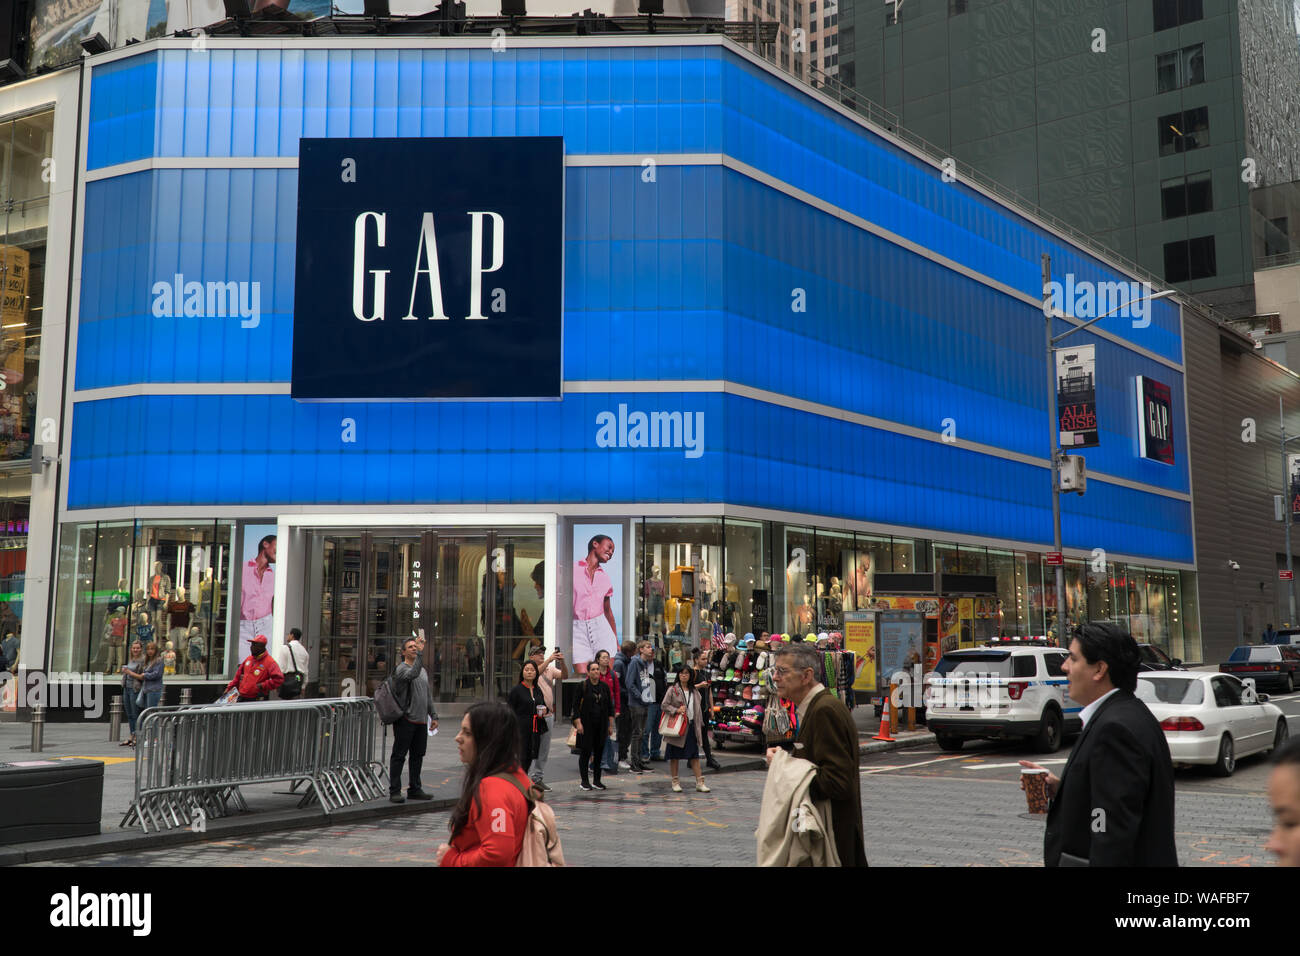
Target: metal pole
{"type": "Point", "coordinates": [187, 696]}
{"type": "Point", "coordinates": [38, 729]}
{"type": "Point", "coordinates": [1052, 425]}
{"type": "Point", "coordinates": [1286, 512]}
{"type": "Point", "coordinates": [115, 720]}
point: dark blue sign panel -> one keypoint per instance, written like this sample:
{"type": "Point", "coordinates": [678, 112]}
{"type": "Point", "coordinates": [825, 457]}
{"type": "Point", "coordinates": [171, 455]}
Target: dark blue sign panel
{"type": "Point", "coordinates": [429, 269]}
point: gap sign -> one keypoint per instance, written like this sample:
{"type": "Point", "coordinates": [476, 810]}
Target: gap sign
{"type": "Point", "coordinates": [429, 269]}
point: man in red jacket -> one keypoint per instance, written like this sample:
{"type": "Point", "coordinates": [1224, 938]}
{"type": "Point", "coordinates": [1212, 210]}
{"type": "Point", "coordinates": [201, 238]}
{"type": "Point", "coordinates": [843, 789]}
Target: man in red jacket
{"type": "Point", "coordinates": [259, 674]}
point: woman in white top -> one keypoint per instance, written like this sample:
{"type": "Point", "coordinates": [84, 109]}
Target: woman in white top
{"type": "Point", "coordinates": [684, 698]}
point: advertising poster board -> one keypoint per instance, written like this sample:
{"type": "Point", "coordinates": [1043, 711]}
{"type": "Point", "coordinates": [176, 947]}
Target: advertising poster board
{"type": "Point", "coordinates": [597, 589]}
{"type": "Point", "coordinates": [257, 588]}
{"type": "Point", "coordinates": [860, 638]}
{"type": "Point", "coordinates": [1076, 396]}
{"type": "Point", "coordinates": [900, 643]}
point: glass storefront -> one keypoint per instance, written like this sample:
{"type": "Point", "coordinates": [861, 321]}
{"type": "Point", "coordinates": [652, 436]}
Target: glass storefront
{"type": "Point", "coordinates": [797, 578]}
{"type": "Point", "coordinates": [152, 581]}
{"type": "Point", "coordinates": [478, 594]}
{"type": "Point", "coordinates": [25, 148]}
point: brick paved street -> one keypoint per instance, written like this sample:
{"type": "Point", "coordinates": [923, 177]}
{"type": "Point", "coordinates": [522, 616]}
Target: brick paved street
{"type": "Point", "coordinates": [920, 808]}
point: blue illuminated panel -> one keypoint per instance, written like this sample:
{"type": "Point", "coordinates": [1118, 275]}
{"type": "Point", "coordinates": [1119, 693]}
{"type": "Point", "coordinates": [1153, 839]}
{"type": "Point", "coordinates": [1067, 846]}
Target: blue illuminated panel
{"type": "Point", "coordinates": [642, 101]}
{"type": "Point", "coordinates": [253, 450]}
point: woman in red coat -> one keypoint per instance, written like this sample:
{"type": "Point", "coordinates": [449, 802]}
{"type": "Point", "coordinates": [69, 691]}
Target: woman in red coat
{"type": "Point", "coordinates": [489, 823]}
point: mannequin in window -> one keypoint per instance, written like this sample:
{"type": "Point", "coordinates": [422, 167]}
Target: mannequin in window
{"type": "Point", "coordinates": [209, 596]}
{"type": "Point", "coordinates": [159, 588]}
{"type": "Point", "coordinates": [169, 659]}
{"type": "Point", "coordinates": [654, 594]}
{"type": "Point", "coordinates": [121, 595]}
{"type": "Point", "coordinates": [732, 590]}
{"type": "Point", "coordinates": [796, 584]}
{"type": "Point", "coordinates": [115, 627]}
{"type": "Point", "coordinates": [179, 613]}
{"type": "Point", "coordinates": [144, 631]}
{"type": "Point", "coordinates": [139, 605]}
{"type": "Point", "coordinates": [195, 651]}
{"type": "Point", "coordinates": [707, 588]}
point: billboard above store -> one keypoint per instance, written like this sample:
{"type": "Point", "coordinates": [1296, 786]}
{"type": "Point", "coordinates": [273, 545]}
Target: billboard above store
{"type": "Point", "coordinates": [429, 269]}
{"type": "Point", "coordinates": [1155, 417]}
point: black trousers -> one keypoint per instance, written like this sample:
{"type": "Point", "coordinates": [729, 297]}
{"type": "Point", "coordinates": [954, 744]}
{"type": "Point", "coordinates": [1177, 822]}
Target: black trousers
{"type": "Point", "coordinates": [409, 738]}
{"type": "Point", "coordinates": [624, 724]}
{"type": "Point", "coordinates": [591, 747]}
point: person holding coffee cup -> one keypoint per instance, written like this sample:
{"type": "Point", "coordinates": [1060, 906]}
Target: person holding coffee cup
{"type": "Point", "coordinates": [529, 707]}
{"type": "Point", "coordinates": [1113, 804]}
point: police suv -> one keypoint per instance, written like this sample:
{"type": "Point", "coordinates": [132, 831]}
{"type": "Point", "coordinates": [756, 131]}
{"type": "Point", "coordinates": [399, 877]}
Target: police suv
{"type": "Point", "coordinates": [1007, 688]}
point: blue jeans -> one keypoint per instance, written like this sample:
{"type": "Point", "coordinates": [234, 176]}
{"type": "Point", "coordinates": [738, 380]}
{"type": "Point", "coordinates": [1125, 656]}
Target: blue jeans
{"type": "Point", "coordinates": [651, 742]}
{"type": "Point", "coordinates": [152, 698]}
{"type": "Point", "coordinates": [609, 759]}
{"type": "Point", "coordinates": [128, 705]}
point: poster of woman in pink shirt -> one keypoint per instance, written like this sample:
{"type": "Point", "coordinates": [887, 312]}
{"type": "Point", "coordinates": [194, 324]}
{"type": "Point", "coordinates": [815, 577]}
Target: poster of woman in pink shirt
{"type": "Point", "coordinates": [257, 590]}
{"type": "Point", "coordinates": [597, 591]}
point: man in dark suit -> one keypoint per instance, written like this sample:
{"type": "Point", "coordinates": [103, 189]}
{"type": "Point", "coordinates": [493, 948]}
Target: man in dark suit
{"type": "Point", "coordinates": [1113, 804]}
{"type": "Point", "coordinates": [825, 735]}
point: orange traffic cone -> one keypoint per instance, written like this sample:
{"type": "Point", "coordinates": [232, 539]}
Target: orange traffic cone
{"type": "Point", "coordinates": [884, 722]}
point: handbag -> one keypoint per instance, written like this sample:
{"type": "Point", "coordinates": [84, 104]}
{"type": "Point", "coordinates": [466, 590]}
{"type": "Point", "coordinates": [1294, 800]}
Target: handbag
{"type": "Point", "coordinates": [293, 681]}
{"type": "Point", "coordinates": [572, 742]}
{"type": "Point", "coordinates": [675, 726]}
{"type": "Point", "coordinates": [139, 699]}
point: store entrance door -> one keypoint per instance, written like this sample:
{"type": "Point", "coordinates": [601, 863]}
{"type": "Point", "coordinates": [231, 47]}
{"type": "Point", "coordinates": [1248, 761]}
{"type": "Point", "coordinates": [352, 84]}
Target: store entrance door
{"type": "Point", "coordinates": [471, 591]}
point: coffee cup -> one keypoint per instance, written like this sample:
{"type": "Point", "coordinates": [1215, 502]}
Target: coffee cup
{"type": "Point", "coordinates": [1034, 780]}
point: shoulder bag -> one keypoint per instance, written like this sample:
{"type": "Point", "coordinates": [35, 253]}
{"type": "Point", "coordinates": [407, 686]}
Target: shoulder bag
{"type": "Point", "coordinates": [675, 726]}
{"type": "Point", "coordinates": [294, 679]}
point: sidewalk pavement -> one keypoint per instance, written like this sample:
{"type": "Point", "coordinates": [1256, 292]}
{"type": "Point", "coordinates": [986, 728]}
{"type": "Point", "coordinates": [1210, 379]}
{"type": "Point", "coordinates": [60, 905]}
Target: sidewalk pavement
{"type": "Point", "coordinates": [272, 807]}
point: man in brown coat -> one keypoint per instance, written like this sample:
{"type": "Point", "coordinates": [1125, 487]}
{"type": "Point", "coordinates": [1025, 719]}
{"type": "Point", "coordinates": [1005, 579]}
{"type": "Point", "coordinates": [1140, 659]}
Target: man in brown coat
{"type": "Point", "coordinates": [825, 735]}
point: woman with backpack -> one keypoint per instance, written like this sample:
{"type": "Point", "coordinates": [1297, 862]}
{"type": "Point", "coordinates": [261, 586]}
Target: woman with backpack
{"type": "Point", "coordinates": [490, 820]}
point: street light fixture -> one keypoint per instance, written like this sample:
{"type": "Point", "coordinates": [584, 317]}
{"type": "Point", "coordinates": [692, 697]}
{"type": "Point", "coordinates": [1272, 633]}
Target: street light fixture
{"type": "Point", "coordinates": [1054, 425]}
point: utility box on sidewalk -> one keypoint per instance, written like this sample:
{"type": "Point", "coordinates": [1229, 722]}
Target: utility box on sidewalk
{"type": "Point", "coordinates": [50, 799]}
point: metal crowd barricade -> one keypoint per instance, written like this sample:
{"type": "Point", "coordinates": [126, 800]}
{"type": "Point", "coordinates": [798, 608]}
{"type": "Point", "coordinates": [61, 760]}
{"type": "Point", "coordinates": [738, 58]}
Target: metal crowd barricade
{"type": "Point", "coordinates": [192, 760]}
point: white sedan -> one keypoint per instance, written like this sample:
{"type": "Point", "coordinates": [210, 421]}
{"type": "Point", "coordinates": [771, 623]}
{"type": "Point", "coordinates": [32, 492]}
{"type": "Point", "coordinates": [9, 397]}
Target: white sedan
{"type": "Point", "coordinates": [1211, 718]}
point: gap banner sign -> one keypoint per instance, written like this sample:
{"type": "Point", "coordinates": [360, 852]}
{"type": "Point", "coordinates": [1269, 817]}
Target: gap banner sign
{"type": "Point", "coordinates": [1076, 396]}
{"type": "Point", "coordinates": [1155, 420]}
{"type": "Point", "coordinates": [429, 269]}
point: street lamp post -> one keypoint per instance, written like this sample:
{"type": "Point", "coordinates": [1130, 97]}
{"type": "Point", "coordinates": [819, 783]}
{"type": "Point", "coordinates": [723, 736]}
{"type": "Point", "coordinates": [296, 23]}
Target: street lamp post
{"type": "Point", "coordinates": [1054, 425]}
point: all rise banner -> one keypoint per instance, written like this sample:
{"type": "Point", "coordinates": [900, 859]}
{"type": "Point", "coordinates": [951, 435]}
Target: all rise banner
{"type": "Point", "coordinates": [1076, 396]}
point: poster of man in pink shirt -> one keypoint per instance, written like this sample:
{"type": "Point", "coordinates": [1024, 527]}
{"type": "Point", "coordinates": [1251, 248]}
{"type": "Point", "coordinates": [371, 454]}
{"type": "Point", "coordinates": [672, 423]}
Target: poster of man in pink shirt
{"type": "Point", "coordinates": [597, 591]}
{"type": "Point", "coordinates": [257, 592]}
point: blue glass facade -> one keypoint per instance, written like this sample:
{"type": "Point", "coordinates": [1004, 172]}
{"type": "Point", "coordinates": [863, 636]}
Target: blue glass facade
{"type": "Point", "coordinates": [690, 270]}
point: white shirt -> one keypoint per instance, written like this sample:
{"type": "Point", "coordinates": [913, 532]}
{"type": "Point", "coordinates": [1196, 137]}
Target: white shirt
{"type": "Point", "coordinates": [301, 656]}
{"type": "Point", "coordinates": [1092, 708]}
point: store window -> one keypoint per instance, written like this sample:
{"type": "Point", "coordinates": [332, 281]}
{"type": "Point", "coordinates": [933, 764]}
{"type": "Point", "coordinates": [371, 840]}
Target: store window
{"type": "Point", "coordinates": [26, 143]}
{"type": "Point", "coordinates": [797, 585]}
{"type": "Point", "coordinates": [687, 620]}
{"type": "Point", "coordinates": [874, 555]}
{"type": "Point", "coordinates": [836, 568]}
{"type": "Point", "coordinates": [747, 586]}
{"type": "Point", "coordinates": [1190, 614]}
{"type": "Point", "coordinates": [1012, 610]}
{"type": "Point", "coordinates": [165, 582]}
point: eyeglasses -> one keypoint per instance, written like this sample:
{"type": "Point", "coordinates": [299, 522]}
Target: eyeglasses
{"type": "Point", "coordinates": [782, 671]}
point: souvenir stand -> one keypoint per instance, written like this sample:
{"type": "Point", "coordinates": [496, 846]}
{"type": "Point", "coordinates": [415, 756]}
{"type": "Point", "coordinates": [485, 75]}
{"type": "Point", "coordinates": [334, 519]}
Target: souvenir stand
{"type": "Point", "coordinates": [744, 691]}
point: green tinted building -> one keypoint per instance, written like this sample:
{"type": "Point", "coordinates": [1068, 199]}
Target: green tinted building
{"type": "Point", "coordinates": [1167, 129]}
